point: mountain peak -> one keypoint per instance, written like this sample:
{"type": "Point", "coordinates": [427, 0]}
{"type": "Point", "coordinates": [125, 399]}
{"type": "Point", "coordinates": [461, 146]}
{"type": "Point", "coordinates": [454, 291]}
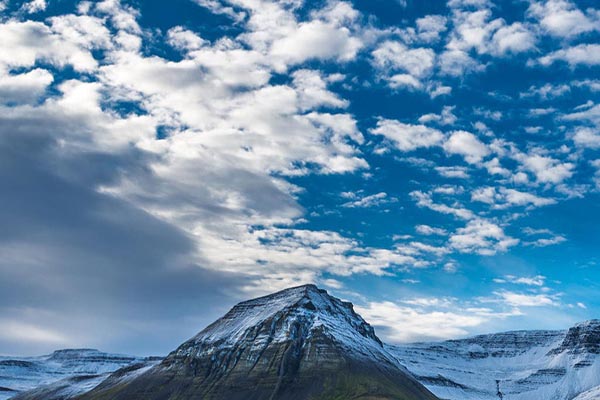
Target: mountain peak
{"type": "Point", "coordinates": [296, 344]}
{"type": "Point", "coordinates": [307, 306]}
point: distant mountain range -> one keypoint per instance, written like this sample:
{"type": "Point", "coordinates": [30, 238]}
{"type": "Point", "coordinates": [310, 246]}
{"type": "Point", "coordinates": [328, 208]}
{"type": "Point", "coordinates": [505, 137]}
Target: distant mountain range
{"type": "Point", "coordinates": [302, 343]}
{"type": "Point", "coordinates": [66, 372]}
{"type": "Point", "coordinates": [523, 365]}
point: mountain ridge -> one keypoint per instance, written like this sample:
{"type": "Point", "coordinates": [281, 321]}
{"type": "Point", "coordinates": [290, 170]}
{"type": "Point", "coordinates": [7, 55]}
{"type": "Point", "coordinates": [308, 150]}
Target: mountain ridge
{"type": "Point", "coordinates": [302, 343]}
{"type": "Point", "coordinates": [519, 365]}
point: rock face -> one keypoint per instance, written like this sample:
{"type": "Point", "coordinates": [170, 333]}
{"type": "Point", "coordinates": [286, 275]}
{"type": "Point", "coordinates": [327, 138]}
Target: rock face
{"type": "Point", "coordinates": [523, 365]}
{"type": "Point", "coordinates": [583, 338]}
{"type": "Point", "coordinates": [296, 344]}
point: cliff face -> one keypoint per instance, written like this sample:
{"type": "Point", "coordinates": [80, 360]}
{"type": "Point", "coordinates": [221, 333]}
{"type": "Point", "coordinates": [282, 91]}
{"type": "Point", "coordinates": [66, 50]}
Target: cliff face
{"type": "Point", "coordinates": [297, 344]}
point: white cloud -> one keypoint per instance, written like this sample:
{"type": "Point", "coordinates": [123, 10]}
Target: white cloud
{"type": "Point", "coordinates": [34, 6]}
{"type": "Point", "coordinates": [428, 319]}
{"type": "Point", "coordinates": [467, 145]}
{"type": "Point", "coordinates": [19, 332]}
{"type": "Point", "coordinates": [396, 56]}
{"type": "Point", "coordinates": [514, 38]}
{"type": "Point", "coordinates": [430, 27]}
{"type": "Point", "coordinates": [546, 92]}
{"type": "Point", "coordinates": [537, 280]}
{"type": "Point", "coordinates": [217, 7]}
{"type": "Point", "coordinates": [316, 40]}
{"type": "Point", "coordinates": [425, 200]}
{"type": "Point", "coordinates": [481, 236]}
{"type": "Point", "coordinates": [25, 43]}
{"type": "Point", "coordinates": [525, 300]}
{"type": "Point", "coordinates": [404, 81]}
{"type": "Point", "coordinates": [453, 172]}
{"type": "Point", "coordinates": [457, 62]}
{"type": "Point", "coordinates": [401, 66]}
{"type": "Point", "coordinates": [596, 164]}
{"type": "Point", "coordinates": [582, 54]}
{"type": "Point", "coordinates": [406, 137]}
{"type": "Point", "coordinates": [446, 117]}
{"type": "Point", "coordinates": [542, 237]}
{"type": "Point", "coordinates": [505, 197]}
{"type": "Point", "coordinates": [588, 113]}
{"type": "Point", "coordinates": [184, 39]}
{"type": "Point", "coordinates": [587, 137]}
{"type": "Point", "coordinates": [26, 87]}
{"type": "Point", "coordinates": [546, 169]}
{"type": "Point", "coordinates": [563, 19]}
{"type": "Point", "coordinates": [312, 90]}
{"type": "Point", "coordinates": [373, 200]}
{"type": "Point", "coordinates": [543, 242]}
{"type": "Point", "coordinates": [429, 230]}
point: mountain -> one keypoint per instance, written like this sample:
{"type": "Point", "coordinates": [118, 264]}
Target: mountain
{"type": "Point", "coordinates": [523, 365]}
{"type": "Point", "coordinates": [296, 344]}
{"type": "Point", "coordinates": [19, 374]}
{"type": "Point", "coordinates": [75, 386]}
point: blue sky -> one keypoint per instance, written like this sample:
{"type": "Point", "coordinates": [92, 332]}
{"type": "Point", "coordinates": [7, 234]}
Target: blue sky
{"type": "Point", "coordinates": [437, 163]}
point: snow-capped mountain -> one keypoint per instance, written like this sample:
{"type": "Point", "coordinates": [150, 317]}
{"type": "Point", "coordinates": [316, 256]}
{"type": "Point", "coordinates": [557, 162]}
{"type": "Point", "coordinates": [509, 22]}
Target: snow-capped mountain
{"type": "Point", "coordinates": [523, 365]}
{"type": "Point", "coordinates": [296, 344]}
{"type": "Point", "coordinates": [19, 374]}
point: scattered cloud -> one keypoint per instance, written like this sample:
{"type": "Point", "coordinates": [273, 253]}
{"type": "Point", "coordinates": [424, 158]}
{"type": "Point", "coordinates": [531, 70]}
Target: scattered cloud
{"type": "Point", "coordinates": [373, 200]}
{"type": "Point", "coordinates": [406, 137]}
{"type": "Point", "coordinates": [467, 145]}
{"type": "Point", "coordinates": [481, 236]}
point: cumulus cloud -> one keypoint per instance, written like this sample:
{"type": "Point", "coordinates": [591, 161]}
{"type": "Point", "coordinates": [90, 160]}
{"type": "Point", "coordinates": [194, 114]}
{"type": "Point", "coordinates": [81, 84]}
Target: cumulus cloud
{"type": "Point", "coordinates": [582, 54]}
{"type": "Point", "coordinates": [547, 169]}
{"type": "Point", "coordinates": [429, 230]}
{"type": "Point", "coordinates": [562, 18]}
{"type": "Point", "coordinates": [481, 236]}
{"type": "Point", "coordinates": [467, 145]}
{"type": "Point", "coordinates": [587, 137]}
{"type": "Point", "coordinates": [505, 197]}
{"type": "Point", "coordinates": [396, 56]}
{"type": "Point", "coordinates": [407, 137]}
{"type": "Point", "coordinates": [27, 87]}
{"type": "Point", "coordinates": [25, 43]}
{"type": "Point", "coordinates": [430, 27]}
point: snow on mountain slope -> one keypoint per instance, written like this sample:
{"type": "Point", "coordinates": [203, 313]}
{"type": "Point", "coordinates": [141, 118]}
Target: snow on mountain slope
{"type": "Point", "coordinates": [314, 307]}
{"type": "Point", "coordinates": [592, 394]}
{"type": "Point", "coordinates": [523, 365]}
{"type": "Point", "coordinates": [18, 374]}
{"type": "Point", "coordinates": [74, 386]}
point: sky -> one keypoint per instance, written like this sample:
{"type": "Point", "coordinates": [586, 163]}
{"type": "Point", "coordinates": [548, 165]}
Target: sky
{"type": "Point", "coordinates": [436, 163]}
